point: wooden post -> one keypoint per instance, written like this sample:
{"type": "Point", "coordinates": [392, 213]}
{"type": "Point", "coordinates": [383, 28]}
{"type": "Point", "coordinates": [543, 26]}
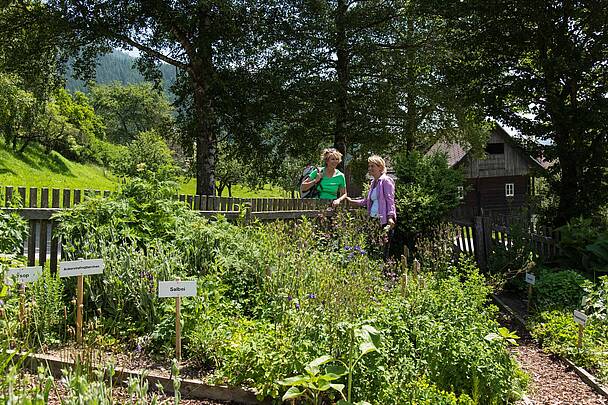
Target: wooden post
{"type": "Point", "coordinates": [417, 269]}
{"type": "Point", "coordinates": [479, 244]}
{"type": "Point", "coordinates": [529, 297]}
{"type": "Point", "coordinates": [79, 307]}
{"type": "Point", "coordinates": [178, 329]}
{"type": "Point", "coordinates": [579, 344]}
{"type": "Point", "coordinates": [22, 303]}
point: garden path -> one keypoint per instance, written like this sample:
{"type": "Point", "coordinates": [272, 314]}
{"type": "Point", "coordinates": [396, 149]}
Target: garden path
{"type": "Point", "coordinates": [553, 382]}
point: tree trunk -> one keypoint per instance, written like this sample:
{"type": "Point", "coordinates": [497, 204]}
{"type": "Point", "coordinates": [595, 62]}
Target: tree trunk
{"type": "Point", "coordinates": [342, 70]}
{"type": "Point", "coordinates": [569, 182]}
{"type": "Point", "coordinates": [206, 140]}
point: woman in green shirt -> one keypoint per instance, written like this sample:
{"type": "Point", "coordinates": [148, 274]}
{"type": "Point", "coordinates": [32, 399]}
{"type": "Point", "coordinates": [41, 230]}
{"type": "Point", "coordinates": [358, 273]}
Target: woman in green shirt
{"type": "Point", "coordinates": [331, 182]}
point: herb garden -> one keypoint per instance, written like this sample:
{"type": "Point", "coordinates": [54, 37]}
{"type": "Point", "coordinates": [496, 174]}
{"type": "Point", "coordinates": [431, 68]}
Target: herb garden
{"type": "Point", "coordinates": [301, 310]}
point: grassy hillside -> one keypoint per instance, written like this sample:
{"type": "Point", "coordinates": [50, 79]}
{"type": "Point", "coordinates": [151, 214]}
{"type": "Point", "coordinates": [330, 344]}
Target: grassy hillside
{"type": "Point", "coordinates": [36, 168]}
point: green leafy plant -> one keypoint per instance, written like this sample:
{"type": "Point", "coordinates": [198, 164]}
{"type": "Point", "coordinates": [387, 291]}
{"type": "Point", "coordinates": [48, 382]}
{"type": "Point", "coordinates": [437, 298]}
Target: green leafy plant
{"type": "Point", "coordinates": [584, 245]}
{"type": "Point", "coordinates": [313, 383]}
{"type": "Point", "coordinates": [13, 232]}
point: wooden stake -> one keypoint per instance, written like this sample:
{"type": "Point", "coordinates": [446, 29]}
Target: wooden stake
{"type": "Point", "coordinates": [579, 344]}
{"type": "Point", "coordinates": [529, 297]}
{"type": "Point", "coordinates": [22, 303]}
{"type": "Point", "coordinates": [178, 329]}
{"type": "Point", "coordinates": [79, 307]}
{"type": "Point", "coordinates": [416, 267]}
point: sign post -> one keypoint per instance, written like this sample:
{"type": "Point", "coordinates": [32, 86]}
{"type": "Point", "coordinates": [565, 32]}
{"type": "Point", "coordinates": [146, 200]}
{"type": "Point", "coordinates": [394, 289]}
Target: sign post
{"type": "Point", "coordinates": [531, 280]}
{"type": "Point", "coordinates": [80, 268]}
{"type": "Point", "coordinates": [177, 289]}
{"type": "Point", "coordinates": [581, 319]}
{"type": "Point", "coordinates": [23, 275]}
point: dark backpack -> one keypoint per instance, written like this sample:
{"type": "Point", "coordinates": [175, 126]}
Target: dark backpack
{"type": "Point", "coordinates": [315, 190]}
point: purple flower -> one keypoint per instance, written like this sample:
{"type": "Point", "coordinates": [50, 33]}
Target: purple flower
{"type": "Point", "coordinates": [138, 348]}
{"type": "Point", "coordinates": [312, 296]}
{"type": "Point", "coordinates": [351, 254]}
{"type": "Point", "coordinates": [1, 303]}
{"type": "Point", "coordinates": [289, 297]}
{"type": "Point", "coordinates": [297, 305]}
{"type": "Point", "coordinates": [346, 247]}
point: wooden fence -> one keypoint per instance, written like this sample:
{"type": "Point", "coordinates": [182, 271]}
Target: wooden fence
{"type": "Point", "coordinates": [481, 236]}
{"type": "Point", "coordinates": [37, 206]}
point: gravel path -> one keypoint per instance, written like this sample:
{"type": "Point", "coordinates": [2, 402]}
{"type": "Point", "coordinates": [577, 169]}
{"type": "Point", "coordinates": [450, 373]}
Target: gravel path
{"type": "Point", "coordinates": [553, 381]}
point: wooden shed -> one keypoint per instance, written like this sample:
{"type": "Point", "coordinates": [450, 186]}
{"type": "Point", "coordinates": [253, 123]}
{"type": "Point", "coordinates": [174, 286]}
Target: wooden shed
{"type": "Point", "coordinates": [500, 182]}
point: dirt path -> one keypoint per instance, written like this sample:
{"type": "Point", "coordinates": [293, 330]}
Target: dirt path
{"type": "Point", "coordinates": [553, 381]}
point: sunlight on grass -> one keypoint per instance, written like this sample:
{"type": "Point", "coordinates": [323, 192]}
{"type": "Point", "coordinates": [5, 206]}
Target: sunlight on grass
{"type": "Point", "coordinates": [36, 168]}
{"type": "Point", "coordinates": [240, 191]}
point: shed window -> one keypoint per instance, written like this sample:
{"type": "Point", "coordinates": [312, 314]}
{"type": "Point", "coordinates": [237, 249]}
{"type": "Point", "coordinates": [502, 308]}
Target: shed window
{"type": "Point", "coordinates": [495, 148]}
{"type": "Point", "coordinates": [509, 189]}
{"type": "Point", "coordinates": [460, 192]}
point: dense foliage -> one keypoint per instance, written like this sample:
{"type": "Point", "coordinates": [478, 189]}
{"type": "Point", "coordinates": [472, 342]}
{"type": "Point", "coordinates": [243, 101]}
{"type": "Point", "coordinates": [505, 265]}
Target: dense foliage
{"type": "Point", "coordinates": [556, 295]}
{"type": "Point", "coordinates": [274, 297]}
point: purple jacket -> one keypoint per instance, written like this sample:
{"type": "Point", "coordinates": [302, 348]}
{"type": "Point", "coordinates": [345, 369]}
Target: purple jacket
{"type": "Point", "coordinates": [386, 199]}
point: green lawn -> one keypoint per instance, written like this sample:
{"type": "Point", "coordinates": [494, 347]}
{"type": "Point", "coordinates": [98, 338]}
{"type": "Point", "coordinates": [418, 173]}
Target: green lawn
{"type": "Point", "coordinates": [36, 168]}
{"type": "Point", "coordinates": [240, 191]}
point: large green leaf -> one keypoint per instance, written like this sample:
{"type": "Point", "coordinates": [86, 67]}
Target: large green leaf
{"type": "Point", "coordinates": [297, 380]}
{"type": "Point", "coordinates": [367, 347]}
{"type": "Point", "coordinates": [292, 393]}
{"type": "Point", "coordinates": [335, 371]}
{"type": "Point", "coordinates": [313, 366]}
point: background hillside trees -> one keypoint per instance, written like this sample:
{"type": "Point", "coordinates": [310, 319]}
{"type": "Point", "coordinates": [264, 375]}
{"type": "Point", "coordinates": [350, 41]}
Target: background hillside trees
{"type": "Point", "coordinates": [130, 109]}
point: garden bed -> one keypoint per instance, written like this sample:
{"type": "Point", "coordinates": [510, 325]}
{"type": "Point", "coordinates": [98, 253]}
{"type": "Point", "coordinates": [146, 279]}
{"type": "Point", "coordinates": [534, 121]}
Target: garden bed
{"type": "Point", "coordinates": [156, 374]}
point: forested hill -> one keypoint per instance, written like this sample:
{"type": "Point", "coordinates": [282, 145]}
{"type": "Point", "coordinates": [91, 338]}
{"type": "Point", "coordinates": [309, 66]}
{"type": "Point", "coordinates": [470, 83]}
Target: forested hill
{"type": "Point", "coordinates": [117, 67]}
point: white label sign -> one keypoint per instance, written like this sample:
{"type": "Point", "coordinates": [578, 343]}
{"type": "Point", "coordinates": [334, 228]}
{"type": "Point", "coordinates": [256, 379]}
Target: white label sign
{"type": "Point", "coordinates": [580, 317]}
{"type": "Point", "coordinates": [81, 267]}
{"type": "Point", "coordinates": [176, 289]}
{"type": "Point", "coordinates": [530, 278]}
{"type": "Point", "coordinates": [23, 275]}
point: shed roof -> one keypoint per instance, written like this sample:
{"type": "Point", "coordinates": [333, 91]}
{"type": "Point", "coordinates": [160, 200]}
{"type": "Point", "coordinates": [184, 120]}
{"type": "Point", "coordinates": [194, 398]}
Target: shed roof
{"type": "Point", "coordinates": [455, 152]}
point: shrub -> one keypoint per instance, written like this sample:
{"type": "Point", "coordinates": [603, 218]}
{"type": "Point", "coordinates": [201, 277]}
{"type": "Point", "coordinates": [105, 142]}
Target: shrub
{"type": "Point", "coordinates": [584, 245]}
{"type": "Point", "coordinates": [13, 232]}
{"type": "Point", "coordinates": [426, 192]}
{"type": "Point", "coordinates": [147, 156]}
{"type": "Point", "coordinates": [561, 289]}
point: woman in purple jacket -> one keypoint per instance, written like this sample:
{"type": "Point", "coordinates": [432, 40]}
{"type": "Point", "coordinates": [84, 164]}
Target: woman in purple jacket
{"type": "Point", "coordinates": [380, 200]}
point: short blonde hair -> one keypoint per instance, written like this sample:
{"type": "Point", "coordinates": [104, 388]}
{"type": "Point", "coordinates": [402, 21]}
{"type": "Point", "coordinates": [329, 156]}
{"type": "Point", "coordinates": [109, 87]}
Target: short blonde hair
{"type": "Point", "coordinates": [330, 152]}
{"type": "Point", "coordinates": [378, 161]}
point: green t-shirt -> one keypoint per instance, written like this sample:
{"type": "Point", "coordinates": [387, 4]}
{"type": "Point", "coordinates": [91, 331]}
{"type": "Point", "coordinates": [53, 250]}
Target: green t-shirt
{"type": "Point", "coordinates": [328, 187]}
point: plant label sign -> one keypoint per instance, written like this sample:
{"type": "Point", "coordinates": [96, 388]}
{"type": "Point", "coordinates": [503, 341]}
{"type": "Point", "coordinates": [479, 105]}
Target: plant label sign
{"type": "Point", "coordinates": [168, 289]}
{"type": "Point", "coordinates": [81, 268]}
{"type": "Point", "coordinates": [530, 278]}
{"type": "Point", "coordinates": [23, 275]}
{"type": "Point", "coordinates": [580, 318]}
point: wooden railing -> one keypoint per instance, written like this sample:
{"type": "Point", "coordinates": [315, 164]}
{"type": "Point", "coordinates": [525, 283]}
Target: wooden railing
{"type": "Point", "coordinates": [34, 197]}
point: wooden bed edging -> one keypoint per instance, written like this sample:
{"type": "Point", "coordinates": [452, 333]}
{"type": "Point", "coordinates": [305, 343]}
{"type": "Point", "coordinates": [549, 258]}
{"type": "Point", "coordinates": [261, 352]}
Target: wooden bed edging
{"type": "Point", "coordinates": [588, 378]}
{"type": "Point", "coordinates": [189, 388]}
